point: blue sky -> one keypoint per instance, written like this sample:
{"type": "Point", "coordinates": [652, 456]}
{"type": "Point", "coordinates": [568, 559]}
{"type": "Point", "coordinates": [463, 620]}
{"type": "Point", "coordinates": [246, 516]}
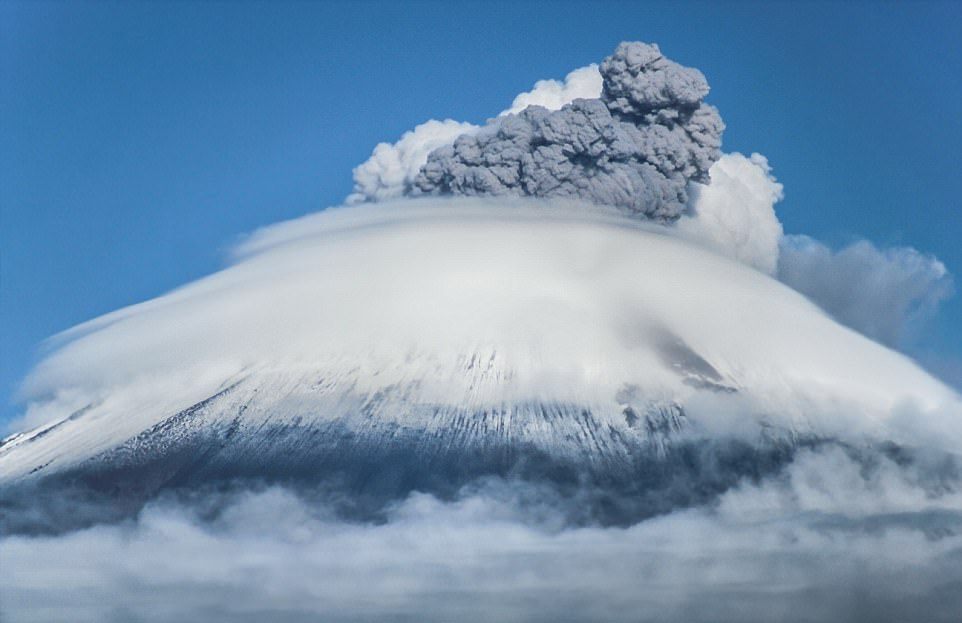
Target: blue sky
{"type": "Point", "coordinates": [138, 141]}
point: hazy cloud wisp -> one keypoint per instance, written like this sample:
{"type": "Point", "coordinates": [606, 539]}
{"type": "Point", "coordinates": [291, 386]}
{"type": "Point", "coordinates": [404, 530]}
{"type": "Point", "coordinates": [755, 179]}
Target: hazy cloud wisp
{"type": "Point", "coordinates": [886, 294]}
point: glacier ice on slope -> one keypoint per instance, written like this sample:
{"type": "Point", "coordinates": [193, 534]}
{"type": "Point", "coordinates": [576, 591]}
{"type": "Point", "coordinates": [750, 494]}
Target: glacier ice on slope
{"type": "Point", "coordinates": [422, 343]}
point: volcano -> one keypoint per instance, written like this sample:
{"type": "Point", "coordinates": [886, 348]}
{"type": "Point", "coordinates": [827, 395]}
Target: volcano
{"type": "Point", "coordinates": [424, 344]}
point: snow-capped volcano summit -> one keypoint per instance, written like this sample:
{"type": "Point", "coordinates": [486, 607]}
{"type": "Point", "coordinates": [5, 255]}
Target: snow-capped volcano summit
{"type": "Point", "coordinates": [556, 296]}
{"type": "Point", "coordinates": [422, 343]}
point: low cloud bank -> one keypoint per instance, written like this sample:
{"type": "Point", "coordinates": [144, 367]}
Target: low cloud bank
{"type": "Point", "coordinates": [835, 536]}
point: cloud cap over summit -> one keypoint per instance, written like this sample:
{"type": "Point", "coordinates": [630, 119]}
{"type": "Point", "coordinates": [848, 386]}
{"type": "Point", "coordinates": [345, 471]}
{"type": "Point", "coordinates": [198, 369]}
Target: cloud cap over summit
{"type": "Point", "coordinates": [635, 148]}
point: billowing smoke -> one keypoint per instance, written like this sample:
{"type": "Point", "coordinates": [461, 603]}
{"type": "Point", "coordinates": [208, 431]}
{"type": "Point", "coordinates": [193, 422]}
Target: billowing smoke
{"type": "Point", "coordinates": [636, 148]}
{"type": "Point", "coordinates": [392, 168]}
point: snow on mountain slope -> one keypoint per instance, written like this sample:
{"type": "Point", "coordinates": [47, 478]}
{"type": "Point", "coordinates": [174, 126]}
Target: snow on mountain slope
{"type": "Point", "coordinates": [446, 326]}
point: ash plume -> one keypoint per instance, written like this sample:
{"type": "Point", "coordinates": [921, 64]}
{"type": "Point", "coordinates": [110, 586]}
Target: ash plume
{"type": "Point", "coordinates": [636, 147]}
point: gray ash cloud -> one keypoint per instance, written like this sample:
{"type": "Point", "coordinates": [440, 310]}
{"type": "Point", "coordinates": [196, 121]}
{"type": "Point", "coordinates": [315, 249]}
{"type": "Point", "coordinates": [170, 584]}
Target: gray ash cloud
{"type": "Point", "coordinates": [635, 148]}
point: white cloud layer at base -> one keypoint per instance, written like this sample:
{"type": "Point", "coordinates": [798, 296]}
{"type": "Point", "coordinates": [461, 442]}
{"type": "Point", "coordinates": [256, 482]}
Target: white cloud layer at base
{"type": "Point", "coordinates": [828, 540]}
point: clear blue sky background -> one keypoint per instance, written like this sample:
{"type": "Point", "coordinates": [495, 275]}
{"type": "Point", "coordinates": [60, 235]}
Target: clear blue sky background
{"type": "Point", "coordinates": [140, 140]}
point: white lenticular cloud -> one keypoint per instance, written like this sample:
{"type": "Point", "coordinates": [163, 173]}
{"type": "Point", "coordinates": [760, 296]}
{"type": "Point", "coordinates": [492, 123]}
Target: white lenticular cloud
{"type": "Point", "coordinates": [577, 301]}
{"type": "Point", "coordinates": [886, 294]}
{"type": "Point", "coordinates": [735, 213]}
